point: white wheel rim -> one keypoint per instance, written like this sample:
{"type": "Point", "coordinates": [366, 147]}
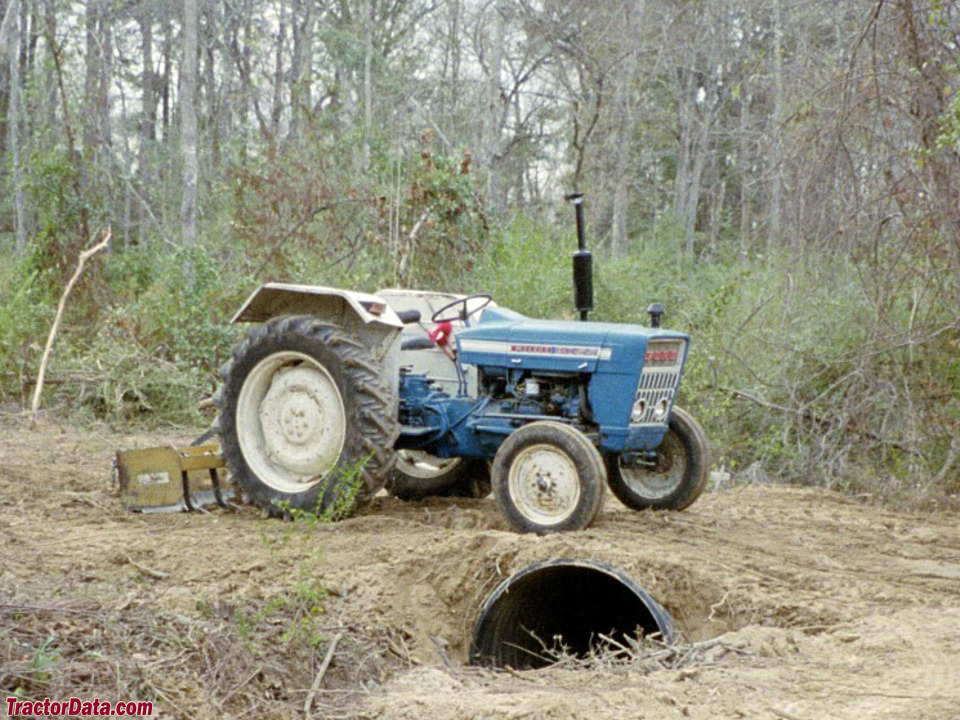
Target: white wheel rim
{"type": "Point", "coordinates": [544, 484]}
{"type": "Point", "coordinates": [653, 483]}
{"type": "Point", "coordinates": [291, 421]}
{"type": "Point", "coordinates": [423, 465]}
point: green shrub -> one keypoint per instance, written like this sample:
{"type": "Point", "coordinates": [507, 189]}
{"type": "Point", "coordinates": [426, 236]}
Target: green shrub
{"type": "Point", "coordinates": [26, 309]}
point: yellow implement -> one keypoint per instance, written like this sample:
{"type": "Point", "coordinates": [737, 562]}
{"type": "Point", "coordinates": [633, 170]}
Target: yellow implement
{"type": "Point", "coordinates": [168, 479]}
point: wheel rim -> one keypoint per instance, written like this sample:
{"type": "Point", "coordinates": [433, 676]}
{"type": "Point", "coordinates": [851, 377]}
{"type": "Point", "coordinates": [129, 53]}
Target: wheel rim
{"type": "Point", "coordinates": [291, 421]}
{"type": "Point", "coordinates": [544, 484]}
{"type": "Point", "coordinates": [423, 465]}
{"type": "Point", "coordinates": [657, 481]}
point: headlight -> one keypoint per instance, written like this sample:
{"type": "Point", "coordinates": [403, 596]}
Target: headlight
{"type": "Point", "coordinates": [639, 409]}
{"type": "Point", "coordinates": [660, 410]}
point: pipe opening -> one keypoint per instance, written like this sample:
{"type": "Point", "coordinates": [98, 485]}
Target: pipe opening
{"type": "Point", "coordinates": [564, 604]}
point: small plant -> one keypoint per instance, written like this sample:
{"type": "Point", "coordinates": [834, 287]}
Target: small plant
{"type": "Point", "coordinates": [299, 611]}
{"type": "Point", "coordinates": [44, 658]}
{"type": "Point", "coordinates": [345, 483]}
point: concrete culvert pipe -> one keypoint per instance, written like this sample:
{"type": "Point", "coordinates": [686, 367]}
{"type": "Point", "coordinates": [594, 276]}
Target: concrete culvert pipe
{"type": "Point", "coordinates": [567, 603]}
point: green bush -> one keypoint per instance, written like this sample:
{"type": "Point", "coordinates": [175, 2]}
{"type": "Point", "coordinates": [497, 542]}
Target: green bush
{"type": "Point", "coordinates": [26, 309]}
{"type": "Point", "coordinates": [526, 267]}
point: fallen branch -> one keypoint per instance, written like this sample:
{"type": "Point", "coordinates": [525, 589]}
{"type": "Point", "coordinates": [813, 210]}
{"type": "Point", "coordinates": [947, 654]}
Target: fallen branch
{"type": "Point", "coordinates": [784, 714]}
{"type": "Point", "coordinates": [148, 571]}
{"type": "Point", "coordinates": [11, 608]}
{"type": "Point", "coordinates": [84, 256]}
{"type": "Point", "coordinates": [315, 688]}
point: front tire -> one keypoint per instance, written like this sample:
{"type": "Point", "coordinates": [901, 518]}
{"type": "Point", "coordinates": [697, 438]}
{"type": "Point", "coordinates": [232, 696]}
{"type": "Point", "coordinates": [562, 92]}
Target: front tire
{"type": "Point", "coordinates": [308, 419]}
{"type": "Point", "coordinates": [548, 477]}
{"type": "Point", "coordinates": [675, 479]}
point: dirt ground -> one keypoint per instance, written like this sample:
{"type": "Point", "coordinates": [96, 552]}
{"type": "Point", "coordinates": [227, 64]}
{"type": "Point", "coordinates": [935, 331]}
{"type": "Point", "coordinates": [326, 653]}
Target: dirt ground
{"type": "Point", "coordinates": [794, 603]}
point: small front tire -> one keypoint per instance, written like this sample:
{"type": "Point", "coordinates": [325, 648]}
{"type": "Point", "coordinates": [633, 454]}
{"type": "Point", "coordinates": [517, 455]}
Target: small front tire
{"type": "Point", "coordinates": [547, 478]}
{"type": "Point", "coordinates": [675, 479]}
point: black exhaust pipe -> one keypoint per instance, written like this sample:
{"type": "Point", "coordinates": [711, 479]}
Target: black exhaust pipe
{"type": "Point", "coordinates": [582, 263]}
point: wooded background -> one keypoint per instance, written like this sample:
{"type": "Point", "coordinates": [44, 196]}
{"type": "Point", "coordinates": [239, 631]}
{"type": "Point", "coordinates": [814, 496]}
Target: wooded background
{"type": "Point", "coordinates": [783, 174]}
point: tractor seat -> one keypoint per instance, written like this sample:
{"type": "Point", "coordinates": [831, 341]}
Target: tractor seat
{"type": "Point", "coordinates": [420, 342]}
{"type": "Point", "coordinates": [408, 317]}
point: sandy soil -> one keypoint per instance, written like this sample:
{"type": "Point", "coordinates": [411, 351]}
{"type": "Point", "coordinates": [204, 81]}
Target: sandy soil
{"type": "Point", "coordinates": [818, 606]}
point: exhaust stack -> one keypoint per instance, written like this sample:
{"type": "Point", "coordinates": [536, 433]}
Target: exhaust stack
{"type": "Point", "coordinates": [582, 263]}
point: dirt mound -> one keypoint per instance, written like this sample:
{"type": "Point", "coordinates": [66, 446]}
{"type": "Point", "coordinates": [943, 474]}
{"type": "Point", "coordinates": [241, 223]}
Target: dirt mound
{"type": "Point", "coordinates": [792, 603]}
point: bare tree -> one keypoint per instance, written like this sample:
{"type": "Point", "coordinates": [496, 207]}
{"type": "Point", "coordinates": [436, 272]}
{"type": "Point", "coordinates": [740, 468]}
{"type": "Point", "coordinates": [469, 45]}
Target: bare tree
{"type": "Point", "coordinates": [11, 50]}
{"type": "Point", "coordinates": [188, 123]}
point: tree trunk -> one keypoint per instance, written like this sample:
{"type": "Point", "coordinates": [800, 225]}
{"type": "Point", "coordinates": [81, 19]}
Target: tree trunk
{"type": "Point", "coordinates": [13, 46]}
{"type": "Point", "coordinates": [683, 183]}
{"type": "Point", "coordinates": [276, 111]}
{"type": "Point", "coordinates": [211, 94]}
{"type": "Point", "coordinates": [91, 128]}
{"type": "Point", "coordinates": [188, 123]}
{"type": "Point", "coordinates": [492, 119]}
{"type": "Point", "coordinates": [776, 156]}
{"type": "Point", "coordinates": [148, 114]}
{"type": "Point", "coordinates": [453, 50]}
{"type": "Point", "coordinates": [167, 77]}
{"type": "Point", "coordinates": [300, 87]}
{"type": "Point", "coordinates": [743, 162]}
{"type": "Point", "coordinates": [50, 34]}
{"type": "Point", "coordinates": [106, 77]}
{"type": "Point", "coordinates": [625, 105]}
{"type": "Point", "coordinates": [368, 24]}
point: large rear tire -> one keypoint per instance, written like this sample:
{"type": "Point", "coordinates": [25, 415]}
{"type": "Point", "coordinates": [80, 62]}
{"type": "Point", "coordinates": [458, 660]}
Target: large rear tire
{"type": "Point", "coordinates": [307, 418]}
{"type": "Point", "coordinates": [548, 477]}
{"type": "Point", "coordinates": [419, 475]}
{"type": "Point", "coordinates": [675, 479]}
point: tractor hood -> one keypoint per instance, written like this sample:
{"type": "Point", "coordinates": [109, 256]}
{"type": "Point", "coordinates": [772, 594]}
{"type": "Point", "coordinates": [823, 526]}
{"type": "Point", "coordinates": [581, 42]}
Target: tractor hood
{"type": "Point", "coordinates": [506, 338]}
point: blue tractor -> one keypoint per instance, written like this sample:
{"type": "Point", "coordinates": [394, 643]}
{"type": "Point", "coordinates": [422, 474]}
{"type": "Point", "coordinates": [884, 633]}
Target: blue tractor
{"type": "Point", "coordinates": [323, 395]}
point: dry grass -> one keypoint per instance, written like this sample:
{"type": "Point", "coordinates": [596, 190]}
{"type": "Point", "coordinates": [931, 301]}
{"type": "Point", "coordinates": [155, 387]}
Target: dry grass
{"type": "Point", "coordinates": [222, 662]}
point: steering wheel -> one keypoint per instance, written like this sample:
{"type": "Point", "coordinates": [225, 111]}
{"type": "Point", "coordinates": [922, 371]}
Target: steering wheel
{"type": "Point", "coordinates": [465, 311]}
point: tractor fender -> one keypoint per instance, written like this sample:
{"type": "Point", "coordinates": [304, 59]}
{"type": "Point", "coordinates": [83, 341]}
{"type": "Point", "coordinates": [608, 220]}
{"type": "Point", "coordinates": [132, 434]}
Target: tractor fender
{"type": "Point", "coordinates": [367, 318]}
{"type": "Point", "coordinates": [274, 299]}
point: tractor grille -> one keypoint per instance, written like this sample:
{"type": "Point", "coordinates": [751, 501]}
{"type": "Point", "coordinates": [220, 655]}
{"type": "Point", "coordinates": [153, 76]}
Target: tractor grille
{"type": "Point", "coordinates": [658, 380]}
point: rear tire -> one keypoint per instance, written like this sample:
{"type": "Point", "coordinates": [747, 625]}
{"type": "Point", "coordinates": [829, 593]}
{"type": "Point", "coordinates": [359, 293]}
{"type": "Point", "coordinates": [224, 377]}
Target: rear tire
{"type": "Point", "coordinates": [308, 419]}
{"type": "Point", "coordinates": [677, 478]}
{"type": "Point", "coordinates": [419, 475]}
{"type": "Point", "coordinates": [548, 477]}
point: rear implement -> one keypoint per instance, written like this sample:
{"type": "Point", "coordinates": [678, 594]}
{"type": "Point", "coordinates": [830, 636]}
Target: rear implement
{"type": "Point", "coordinates": [168, 479]}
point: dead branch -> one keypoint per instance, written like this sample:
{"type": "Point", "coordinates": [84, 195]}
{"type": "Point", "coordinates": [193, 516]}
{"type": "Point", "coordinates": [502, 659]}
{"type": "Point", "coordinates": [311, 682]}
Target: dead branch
{"type": "Point", "coordinates": [784, 714]}
{"type": "Point", "coordinates": [84, 256]}
{"type": "Point", "coordinates": [148, 571]}
{"type": "Point", "coordinates": [407, 252]}
{"type": "Point", "coordinates": [315, 688]}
